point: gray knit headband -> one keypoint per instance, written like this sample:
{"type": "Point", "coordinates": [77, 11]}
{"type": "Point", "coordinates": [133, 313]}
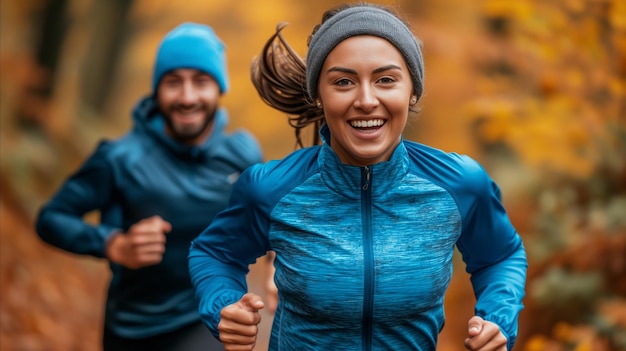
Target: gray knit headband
{"type": "Point", "coordinates": [363, 20]}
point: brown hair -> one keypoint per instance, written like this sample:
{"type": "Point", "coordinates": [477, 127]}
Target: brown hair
{"type": "Point", "coordinates": [279, 76]}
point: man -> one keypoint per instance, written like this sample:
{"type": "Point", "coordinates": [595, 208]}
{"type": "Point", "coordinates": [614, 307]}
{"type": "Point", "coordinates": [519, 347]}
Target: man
{"type": "Point", "coordinates": [156, 188]}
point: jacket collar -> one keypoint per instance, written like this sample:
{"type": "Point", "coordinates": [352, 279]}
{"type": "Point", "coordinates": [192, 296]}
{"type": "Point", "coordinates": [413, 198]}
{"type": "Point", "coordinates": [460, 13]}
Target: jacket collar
{"type": "Point", "coordinates": [149, 121]}
{"type": "Point", "coordinates": [349, 180]}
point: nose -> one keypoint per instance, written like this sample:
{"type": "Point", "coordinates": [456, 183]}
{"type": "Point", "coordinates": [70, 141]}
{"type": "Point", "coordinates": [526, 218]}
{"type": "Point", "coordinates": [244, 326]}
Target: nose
{"type": "Point", "coordinates": [366, 99]}
{"type": "Point", "coordinates": [188, 93]}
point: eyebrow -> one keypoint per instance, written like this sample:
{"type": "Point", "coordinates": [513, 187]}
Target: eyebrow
{"type": "Point", "coordinates": [377, 70]}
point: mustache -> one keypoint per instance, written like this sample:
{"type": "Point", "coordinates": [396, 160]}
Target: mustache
{"type": "Point", "coordinates": [188, 107]}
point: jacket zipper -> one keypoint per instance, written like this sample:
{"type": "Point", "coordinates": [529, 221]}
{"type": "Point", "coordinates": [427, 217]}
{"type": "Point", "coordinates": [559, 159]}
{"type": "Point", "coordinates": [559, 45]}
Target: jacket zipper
{"type": "Point", "coordinates": [368, 259]}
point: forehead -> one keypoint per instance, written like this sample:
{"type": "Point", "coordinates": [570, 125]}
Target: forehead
{"type": "Point", "coordinates": [185, 72]}
{"type": "Point", "coordinates": [365, 49]}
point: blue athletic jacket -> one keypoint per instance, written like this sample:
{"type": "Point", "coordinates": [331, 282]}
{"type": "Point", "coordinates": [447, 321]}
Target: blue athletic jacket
{"type": "Point", "coordinates": [363, 254]}
{"type": "Point", "coordinates": [142, 174]}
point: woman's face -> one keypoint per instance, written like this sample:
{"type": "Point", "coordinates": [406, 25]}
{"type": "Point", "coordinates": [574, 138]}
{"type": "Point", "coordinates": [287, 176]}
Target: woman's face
{"type": "Point", "coordinates": [365, 89]}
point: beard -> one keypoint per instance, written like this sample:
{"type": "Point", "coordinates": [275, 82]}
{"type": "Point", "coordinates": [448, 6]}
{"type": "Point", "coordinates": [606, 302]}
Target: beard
{"type": "Point", "coordinates": [188, 132]}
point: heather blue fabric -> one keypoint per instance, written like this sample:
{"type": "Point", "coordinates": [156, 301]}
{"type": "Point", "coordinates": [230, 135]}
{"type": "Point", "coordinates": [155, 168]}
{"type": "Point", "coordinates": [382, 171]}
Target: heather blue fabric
{"type": "Point", "coordinates": [363, 254]}
{"type": "Point", "coordinates": [142, 174]}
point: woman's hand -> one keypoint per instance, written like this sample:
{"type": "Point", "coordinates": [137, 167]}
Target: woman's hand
{"type": "Point", "coordinates": [484, 336]}
{"type": "Point", "coordinates": [239, 323]}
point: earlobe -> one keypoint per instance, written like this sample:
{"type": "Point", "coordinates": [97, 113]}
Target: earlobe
{"type": "Point", "coordinates": [318, 103]}
{"type": "Point", "coordinates": [413, 100]}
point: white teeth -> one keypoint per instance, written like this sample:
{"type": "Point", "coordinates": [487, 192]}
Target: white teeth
{"type": "Point", "coordinates": [367, 124]}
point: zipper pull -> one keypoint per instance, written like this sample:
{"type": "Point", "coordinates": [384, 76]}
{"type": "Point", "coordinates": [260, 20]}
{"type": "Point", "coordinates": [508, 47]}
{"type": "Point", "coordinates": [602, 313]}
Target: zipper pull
{"type": "Point", "coordinates": [366, 184]}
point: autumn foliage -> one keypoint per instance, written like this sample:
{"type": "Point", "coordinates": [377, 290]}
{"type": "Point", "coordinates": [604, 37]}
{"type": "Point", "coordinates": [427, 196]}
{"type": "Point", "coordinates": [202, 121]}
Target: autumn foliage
{"type": "Point", "coordinates": [556, 104]}
{"type": "Point", "coordinates": [533, 89]}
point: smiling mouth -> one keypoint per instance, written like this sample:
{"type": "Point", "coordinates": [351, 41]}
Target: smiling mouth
{"type": "Point", "coordinates": [371, 123]}
{"type": "Point", "coordinates": [187, 113]}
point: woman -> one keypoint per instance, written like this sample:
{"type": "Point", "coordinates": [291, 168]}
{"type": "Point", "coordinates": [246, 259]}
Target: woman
{"type": "Point", "coordinates": [364, 225]}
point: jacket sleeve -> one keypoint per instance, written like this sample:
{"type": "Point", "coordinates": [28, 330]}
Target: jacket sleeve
{"type": "Point", "coordinates": [494, 255]}
{"type": "Point", "coordinates": [60, 221]}
{"type": "Point", "coordinates": [219, 257]}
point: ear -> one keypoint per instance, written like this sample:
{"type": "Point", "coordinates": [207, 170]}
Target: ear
{"type": "Point", "coordinates": [413, 100]}
{"type": "Point", "coordinates": [318, 102]}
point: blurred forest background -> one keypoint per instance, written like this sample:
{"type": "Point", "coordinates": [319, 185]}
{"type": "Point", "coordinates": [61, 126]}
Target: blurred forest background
{"type": "Point", "coordinates": [533, 89]}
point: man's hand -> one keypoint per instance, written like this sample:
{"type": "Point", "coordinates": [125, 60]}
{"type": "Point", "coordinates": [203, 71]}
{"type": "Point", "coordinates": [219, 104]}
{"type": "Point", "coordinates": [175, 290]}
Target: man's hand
{"type": "Point", "coordinates": [484, 336]}
{"type": "Point", "coordinates": [239, 323]}
{"type": "Point", "coordinates": [143, 245]}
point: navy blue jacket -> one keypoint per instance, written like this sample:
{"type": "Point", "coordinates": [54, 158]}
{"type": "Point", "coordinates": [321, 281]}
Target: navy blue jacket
{"type": "Point", "coordinates": [142, 174]}
{"type": "Point", "coordinates": [364, 255]}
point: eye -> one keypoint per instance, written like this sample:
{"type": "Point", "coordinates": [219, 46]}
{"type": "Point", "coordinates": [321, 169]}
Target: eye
{"type": "Point", "coordinates": [170, 81]}
{"type": "Point", "coordinates": [386, 80]}
{"type": "Point", "coordinates": [343, 82]}
{"type": "Point", "coordinates": [203, 79]}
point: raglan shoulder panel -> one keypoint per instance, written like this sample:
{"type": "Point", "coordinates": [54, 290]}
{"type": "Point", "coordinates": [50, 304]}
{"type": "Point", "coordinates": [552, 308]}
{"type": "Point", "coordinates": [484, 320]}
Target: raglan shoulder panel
{"type": "Point", "coordinates": [265, 184]}
{"type": "Point", "coordinates": [459, 174]}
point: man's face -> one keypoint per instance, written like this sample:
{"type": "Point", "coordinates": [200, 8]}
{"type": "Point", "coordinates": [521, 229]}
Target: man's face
{"type": "Point", "coordinates": [188, 99]}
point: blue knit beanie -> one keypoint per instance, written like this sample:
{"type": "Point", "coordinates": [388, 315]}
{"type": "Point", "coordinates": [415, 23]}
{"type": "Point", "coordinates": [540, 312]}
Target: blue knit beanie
{"type": "Point", "coordinates": [191, 45]}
